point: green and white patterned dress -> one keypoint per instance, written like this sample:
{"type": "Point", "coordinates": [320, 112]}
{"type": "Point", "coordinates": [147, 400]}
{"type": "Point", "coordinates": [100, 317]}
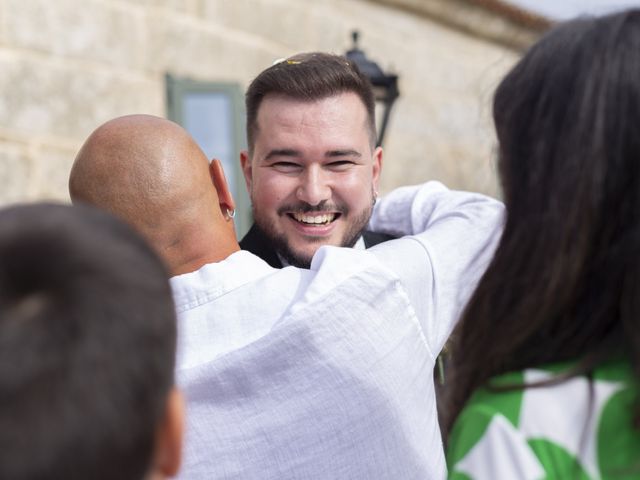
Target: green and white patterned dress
{"type": "Point", "coordinates": [550, 432]}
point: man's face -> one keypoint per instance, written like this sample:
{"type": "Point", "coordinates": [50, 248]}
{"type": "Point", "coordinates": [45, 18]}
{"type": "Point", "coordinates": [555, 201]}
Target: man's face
{"type": "Point", "coordinates": [313, 174]}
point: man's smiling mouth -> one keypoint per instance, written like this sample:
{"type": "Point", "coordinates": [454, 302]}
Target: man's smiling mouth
{"type": "Point", "coordinates": [318, 219]}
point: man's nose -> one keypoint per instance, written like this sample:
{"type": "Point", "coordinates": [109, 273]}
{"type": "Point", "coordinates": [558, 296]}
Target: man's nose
{"type": "Point", "coordinates": [314, 187]}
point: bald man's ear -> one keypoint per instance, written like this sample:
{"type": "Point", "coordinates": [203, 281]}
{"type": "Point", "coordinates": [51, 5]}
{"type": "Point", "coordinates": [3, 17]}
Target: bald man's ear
{"type": "Point", "coordinates": [227, 204]}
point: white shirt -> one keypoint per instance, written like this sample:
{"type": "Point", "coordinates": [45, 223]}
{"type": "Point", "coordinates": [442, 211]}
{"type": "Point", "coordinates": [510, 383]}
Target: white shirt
{"type": "Point", "coordinates": [359, 245]}
{"type": "Point", "coordinates": [327, 373]}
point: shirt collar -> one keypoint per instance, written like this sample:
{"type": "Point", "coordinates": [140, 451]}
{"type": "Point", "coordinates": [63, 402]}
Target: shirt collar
{"type": "Point", "coordinates": [215, 279]}
{"type": "Point", "coordinates": [359, 245]}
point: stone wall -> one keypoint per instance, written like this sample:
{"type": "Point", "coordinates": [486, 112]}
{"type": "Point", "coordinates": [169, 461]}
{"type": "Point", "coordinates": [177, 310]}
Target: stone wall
{"type": "Point", "coordinates": [69, 65]}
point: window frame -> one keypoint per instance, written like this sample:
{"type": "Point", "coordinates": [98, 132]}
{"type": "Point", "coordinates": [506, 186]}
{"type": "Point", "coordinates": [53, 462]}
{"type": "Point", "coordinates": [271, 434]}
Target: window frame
{"type": "Point", "coordinates": [177, 89]}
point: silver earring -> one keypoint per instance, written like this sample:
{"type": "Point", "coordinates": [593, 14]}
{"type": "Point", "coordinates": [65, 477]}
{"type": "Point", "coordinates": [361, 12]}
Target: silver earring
{"type": "Point", "coordinates": [231, 213]}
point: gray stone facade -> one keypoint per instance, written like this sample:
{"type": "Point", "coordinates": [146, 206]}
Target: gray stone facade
{"type": "Point", "coordinates": [69, 65]}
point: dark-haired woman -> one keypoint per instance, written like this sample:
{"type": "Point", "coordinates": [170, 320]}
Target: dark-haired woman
{"type": "Point", "coordinates": [547, 356]}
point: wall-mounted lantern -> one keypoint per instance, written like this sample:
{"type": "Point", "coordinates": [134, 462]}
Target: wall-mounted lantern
{"type": "Point", "coordinates": [385, 86]}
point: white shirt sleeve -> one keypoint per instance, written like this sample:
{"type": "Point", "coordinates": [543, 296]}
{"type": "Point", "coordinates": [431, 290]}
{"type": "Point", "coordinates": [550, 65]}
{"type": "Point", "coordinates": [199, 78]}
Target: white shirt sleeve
{"type": "Point", "coordinates": [453, 237]}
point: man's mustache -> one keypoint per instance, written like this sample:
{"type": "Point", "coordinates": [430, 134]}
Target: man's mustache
{"type": "Point", "coordinates": [303, 207]}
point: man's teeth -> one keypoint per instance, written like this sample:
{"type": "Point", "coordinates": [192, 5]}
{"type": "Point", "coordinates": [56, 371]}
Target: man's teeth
{"type": "Point", "coordinates": [314, 219]}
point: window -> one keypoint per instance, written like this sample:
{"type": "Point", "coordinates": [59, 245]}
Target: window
{"type": "Point", "coordinates": [213, 113]}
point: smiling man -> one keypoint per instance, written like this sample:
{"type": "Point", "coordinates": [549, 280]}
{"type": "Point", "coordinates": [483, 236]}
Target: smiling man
{"type": "Point", "coordinates": [292, 373]}
{"type": "Point", "coordinates": [312, 167]}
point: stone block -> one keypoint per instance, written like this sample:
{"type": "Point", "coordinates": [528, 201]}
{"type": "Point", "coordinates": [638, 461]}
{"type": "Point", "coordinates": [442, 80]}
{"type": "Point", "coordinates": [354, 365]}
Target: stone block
{"type": "Point", "coordinates": [50, 97]}
{"type": "Point", "coordinates": [15, 173]}
{"type": "Point", "coordinates": [188, 48]}
{"type": "Point", "coordinates": [34, 171]}
{"type": "Point", "coordinates": [90, 30]}
{"type": "Point", "coordinates": [50, 172]}
{"type": "Point", "coordinates": [191, 7]}
{"type": "Point", "coordinates": [297, 26]}
{"type": "Point", "coordinates": [2, 23]}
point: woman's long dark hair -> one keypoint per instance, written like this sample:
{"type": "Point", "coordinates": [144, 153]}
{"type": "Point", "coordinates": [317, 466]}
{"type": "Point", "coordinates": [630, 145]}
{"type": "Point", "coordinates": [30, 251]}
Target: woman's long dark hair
{"type": "Point", "coordinates": [565, 280]}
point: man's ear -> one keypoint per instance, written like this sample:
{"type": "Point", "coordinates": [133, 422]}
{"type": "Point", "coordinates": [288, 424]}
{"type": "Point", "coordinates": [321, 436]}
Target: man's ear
{"type": "Point", "coordinates": [377, 167]}
{"type": "Point", "coordinates": [245, 163]}
{"type": "Point", "coordinates": [168, 451]}
{"type": "Point", "coordinates": [227, 204]}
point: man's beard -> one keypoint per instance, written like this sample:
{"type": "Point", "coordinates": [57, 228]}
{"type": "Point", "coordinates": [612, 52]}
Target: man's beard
{"type": "Point", "coordinates": [280, 243]}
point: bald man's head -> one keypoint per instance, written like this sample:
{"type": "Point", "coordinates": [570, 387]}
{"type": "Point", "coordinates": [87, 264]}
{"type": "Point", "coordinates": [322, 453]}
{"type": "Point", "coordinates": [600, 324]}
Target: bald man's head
{"type": "Point", "coordinates": [150, 172]}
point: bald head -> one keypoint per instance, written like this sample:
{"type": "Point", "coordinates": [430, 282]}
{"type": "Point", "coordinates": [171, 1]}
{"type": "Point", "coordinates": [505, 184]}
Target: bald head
{"type": "Point", "coordinates": [150, 172]}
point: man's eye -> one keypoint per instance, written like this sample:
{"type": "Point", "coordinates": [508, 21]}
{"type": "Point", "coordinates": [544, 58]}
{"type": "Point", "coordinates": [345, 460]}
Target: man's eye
{"type": "Point", "coordinates": [286, 167]}
{"type": "Point", "coordinates": [340, 165]}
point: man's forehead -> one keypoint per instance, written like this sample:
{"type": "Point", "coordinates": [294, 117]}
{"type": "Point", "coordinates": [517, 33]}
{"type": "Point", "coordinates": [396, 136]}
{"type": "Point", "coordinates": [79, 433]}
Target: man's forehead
{"type": "Point", "coordinates": [275, 103]}
{"type": "Point", "coordinates": [339, 118]}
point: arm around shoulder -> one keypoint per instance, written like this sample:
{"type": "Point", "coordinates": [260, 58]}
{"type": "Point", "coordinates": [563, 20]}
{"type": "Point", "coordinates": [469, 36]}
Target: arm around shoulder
{"type": "Point", "coordinates": [454, 235]}
{"type": "Point", "coordinates": [411, 210]}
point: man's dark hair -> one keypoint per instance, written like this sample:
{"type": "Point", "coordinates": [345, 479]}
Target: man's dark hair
{"type": "Point", "coordinates": [565, 280]}
{"type": "Point", "coordinates": [309, 77]}
{"type": "Point", "coordinates": [87, 345]}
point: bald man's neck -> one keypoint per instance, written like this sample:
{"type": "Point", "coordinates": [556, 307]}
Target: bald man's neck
{"type": "Point", "coordinates": [195, 248]}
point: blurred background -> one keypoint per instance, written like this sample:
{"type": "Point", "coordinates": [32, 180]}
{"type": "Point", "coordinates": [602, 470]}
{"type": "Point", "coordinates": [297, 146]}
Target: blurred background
{"type": "Point", "coordinates": [69, 65]}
